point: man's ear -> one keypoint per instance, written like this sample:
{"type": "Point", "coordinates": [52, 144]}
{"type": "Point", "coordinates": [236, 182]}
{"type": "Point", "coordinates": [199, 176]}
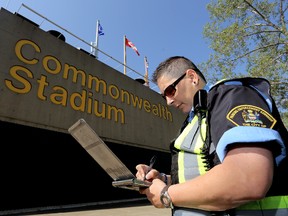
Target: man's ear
{"type": "Point", "coordinates": [193, 76]}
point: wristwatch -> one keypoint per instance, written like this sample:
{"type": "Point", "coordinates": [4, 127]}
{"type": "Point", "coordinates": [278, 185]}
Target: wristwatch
{"type": "Point", "coordinates": [165, 198]}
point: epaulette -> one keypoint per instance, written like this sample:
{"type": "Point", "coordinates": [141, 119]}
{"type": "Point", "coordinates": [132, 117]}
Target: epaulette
{"type": "Point", "coordinates": [261, 85]}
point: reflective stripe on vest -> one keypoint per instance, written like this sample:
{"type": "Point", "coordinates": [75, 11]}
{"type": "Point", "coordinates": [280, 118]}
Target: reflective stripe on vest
{"type": "Point", "coordinates": [190, 162]}
{"type": "Point", "coordinates": [274, 202]}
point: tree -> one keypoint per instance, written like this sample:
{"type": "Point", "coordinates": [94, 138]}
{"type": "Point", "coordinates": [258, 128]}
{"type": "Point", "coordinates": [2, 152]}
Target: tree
{"type": "Point", "coordinates": [250, 38]}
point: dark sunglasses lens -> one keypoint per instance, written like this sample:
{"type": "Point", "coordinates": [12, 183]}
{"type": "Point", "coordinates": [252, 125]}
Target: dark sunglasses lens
{"type": "Point", "coordinates": [170, 91]}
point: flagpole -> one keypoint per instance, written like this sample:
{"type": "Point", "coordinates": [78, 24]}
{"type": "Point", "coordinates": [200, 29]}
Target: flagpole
{"type": "Point", "coordinates": [96, 39]}
{"type": "Point", "coordinates": [124, 54]}
{"type": "Point", "coordinates": [146, 71]}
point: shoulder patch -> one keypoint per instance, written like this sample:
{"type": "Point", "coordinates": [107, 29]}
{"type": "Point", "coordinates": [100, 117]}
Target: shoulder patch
{"type": "Point", "coordinates": [249, 115]}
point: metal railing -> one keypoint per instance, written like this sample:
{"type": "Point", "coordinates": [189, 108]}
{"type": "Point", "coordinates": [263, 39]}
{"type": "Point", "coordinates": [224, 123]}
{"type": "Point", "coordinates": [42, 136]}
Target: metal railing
{"type": "Point", "coordinates": [153, 87]}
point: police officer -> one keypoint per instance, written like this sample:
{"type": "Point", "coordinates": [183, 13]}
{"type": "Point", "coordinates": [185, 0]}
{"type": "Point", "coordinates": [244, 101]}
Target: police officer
{"type": "Point", "coordinates": [230, 155]}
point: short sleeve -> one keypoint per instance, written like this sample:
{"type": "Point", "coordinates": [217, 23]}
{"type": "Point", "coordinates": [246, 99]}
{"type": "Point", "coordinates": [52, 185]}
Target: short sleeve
{"type": "Point", "coordinates": [239, 114]}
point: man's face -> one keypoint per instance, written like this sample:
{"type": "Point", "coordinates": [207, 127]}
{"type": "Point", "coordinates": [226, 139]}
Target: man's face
{"type": "Point", "coordinates": [182, 97]}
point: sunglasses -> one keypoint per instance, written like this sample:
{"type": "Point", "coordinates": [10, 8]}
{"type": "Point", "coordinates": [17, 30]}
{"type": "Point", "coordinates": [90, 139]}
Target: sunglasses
{"type": "Point", "coordinates": [170, 90]}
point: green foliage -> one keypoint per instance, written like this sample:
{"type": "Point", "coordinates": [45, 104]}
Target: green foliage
{"type": "Point", "coordinates": [284, 117]}
{"type": "Point", "coordinates": [249, 38]}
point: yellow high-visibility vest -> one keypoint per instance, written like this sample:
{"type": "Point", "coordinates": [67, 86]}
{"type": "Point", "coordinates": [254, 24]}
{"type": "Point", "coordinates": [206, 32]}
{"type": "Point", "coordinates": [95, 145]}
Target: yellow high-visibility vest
{"type": "Point", "coordinates": [190, 156]}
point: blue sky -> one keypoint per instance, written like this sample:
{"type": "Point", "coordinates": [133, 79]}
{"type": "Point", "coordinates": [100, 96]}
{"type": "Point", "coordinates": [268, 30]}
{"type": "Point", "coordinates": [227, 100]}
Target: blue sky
{"type": "Point", "coordinates": [158, 28]}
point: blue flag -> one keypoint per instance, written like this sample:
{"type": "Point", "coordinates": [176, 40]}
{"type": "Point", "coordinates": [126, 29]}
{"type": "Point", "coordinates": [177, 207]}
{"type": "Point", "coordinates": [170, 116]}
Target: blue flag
{"type": "Point", "coordinates": [100, 30]}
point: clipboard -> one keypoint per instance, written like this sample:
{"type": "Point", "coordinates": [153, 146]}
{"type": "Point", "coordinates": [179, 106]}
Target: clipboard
{"type": "Point", "coordinates": [103, 155]}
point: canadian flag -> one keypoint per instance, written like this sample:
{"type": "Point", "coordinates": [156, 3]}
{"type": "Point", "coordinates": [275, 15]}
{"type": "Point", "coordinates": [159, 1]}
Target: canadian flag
{"type": "Point", "coordinates": [130, 44]}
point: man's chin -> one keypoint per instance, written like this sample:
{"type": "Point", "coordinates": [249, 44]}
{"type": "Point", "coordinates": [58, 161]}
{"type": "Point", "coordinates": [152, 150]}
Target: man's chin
{"type": "Point", "coordinates": [184, 110]}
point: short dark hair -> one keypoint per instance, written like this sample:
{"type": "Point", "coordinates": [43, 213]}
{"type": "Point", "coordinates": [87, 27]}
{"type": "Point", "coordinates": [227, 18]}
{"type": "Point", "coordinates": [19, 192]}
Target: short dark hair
{"type": "Point", "coordinates": [175, 67]}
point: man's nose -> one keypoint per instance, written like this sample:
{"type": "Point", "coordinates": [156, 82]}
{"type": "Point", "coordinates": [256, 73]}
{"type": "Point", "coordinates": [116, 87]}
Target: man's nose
{"type": "Point", "coordinates": [169, 101]}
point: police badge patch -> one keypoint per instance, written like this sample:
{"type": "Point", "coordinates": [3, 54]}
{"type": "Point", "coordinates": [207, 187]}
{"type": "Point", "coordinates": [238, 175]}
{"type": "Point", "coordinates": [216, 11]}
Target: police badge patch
{"type": "Point", "coordinates": [249, 115]}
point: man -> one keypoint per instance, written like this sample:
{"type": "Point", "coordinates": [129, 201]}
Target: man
{"type": "Point", "coordinates": [230, 156]}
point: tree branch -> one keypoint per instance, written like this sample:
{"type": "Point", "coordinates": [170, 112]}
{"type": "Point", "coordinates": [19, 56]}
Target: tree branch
{"type": "Point", "coordinates": [255, 50]}
{"type": "Point", "coordinates": [260, 32]}
{"type": "Point", "coordinates": [258, 24]}
{"type": "Point", "coordinates": [261, 15]}
{"type": "Point", "coordinates": [282, 16]}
